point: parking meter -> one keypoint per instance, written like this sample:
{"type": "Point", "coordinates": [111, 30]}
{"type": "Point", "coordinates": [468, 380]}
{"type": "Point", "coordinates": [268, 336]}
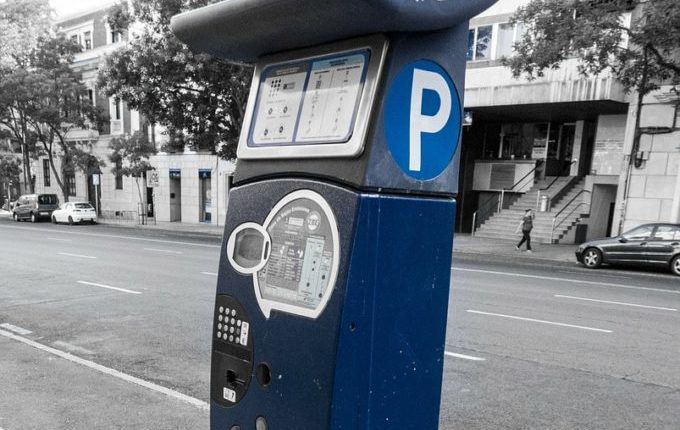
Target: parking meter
{"type": "Point", "coordinates": [333, 289]}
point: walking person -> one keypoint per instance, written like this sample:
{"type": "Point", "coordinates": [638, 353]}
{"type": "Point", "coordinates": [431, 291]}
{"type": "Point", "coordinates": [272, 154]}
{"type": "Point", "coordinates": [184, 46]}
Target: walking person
{"type": "Point", "coordinates": [526, 225]}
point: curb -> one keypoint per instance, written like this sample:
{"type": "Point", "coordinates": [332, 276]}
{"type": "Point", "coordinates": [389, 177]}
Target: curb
{"type": "Point", "coordinates": [213, 232]}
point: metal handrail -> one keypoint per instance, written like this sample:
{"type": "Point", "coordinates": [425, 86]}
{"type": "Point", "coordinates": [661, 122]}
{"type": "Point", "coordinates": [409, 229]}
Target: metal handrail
{"type": "Point", "coordinates": [538, 195]}
{"type": "Point", "coordinates": [554, 220]}
{"type": "Point", "coordinates": [502, 196]}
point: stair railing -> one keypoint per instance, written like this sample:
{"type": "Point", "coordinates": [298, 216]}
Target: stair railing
{"type": "Point", "coordinates": [500, 196]}
{"type": "Point", "coordinates": [555, 224]}
{"type": "Point", "coordinates": [538, 195]}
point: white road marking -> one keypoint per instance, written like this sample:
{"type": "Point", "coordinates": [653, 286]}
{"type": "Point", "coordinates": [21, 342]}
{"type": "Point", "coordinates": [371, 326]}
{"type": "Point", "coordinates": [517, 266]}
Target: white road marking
{"type": "Point", "coordinates": [573, 281]}
{"type": "Point", "coordinates": [59, 239]}
{"type": "Point", "coordinates": [76, 255]}
{"type": "Point", "coordinates": [167, 251]}
{"type": "Point", "coordinates": [108, 371]}
{"type": "Point", "coordinates": [209, 273]}
{"type": "Point", "coordinates": [114, 236]}
{"type": "Point", "coordinates": [599, 275]}
{"type": "Point", "coordinates": [15, 329]}
{"type": "Point", "coordinates": [616, 303]}
{"type": "Point", "coordinates": [94, 284]}
{"type": "Point", "coordinates": [540, 321]}
{"type": "Point", "coordinates": [72, 348]}
{"type": "Point", "coordinates": [463, 356]}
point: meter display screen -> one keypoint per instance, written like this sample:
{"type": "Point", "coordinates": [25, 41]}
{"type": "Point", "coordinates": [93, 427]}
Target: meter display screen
{"type": "Point", "coordinates": [302, 264]}
{"type": "Point", "coordinates": [248, 250]}
{"type": "Point", "coordinates": [309, 102]}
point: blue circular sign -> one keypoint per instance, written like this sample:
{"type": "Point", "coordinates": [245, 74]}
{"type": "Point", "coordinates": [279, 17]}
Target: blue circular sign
{"type": "Point", "coordinates": [422, 119]}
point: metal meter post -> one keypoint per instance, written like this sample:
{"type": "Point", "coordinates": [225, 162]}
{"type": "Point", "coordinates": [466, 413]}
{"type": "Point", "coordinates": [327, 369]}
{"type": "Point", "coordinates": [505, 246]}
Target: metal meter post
{"type": "Point", "coordinates": [333, 287]}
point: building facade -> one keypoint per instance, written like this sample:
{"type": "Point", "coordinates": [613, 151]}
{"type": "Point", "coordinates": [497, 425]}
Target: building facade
{"type": "Point", "coordinates": [187, 186]}
{"type": "Point", "coordinates": [562, 138]}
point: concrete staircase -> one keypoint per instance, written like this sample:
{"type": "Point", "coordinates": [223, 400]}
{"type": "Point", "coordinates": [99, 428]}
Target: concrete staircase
{"type": "Point", "coordinates": [503, 225]}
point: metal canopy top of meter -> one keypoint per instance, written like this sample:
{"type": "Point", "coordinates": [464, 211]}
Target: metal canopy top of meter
{"type": "Point", "coordinates": [244, 30]}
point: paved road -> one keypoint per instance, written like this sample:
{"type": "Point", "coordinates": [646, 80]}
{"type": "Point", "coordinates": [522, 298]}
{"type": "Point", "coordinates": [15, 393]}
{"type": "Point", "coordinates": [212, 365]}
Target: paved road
{"type": "Point", "coordinates": [119, 337]}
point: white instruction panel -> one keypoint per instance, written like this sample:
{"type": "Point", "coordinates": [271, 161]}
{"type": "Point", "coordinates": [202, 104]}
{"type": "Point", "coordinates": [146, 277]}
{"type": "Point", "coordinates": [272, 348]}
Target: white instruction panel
{"type": "Point", "coordinates": [310, 102]}
{"type": "Point", "coordinates": [279, 104]}
{"type": "Point", "coordinates": [331, 99]}
{"type": "Point", "coordinates": [300, 273]}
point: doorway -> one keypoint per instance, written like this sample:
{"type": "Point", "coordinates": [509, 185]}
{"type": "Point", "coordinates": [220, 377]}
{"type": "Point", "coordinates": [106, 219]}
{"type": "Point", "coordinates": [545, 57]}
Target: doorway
{"type": "Point", "coordinates": [205, 195]}
{"type": "Point", "coordinates": [175, 196]}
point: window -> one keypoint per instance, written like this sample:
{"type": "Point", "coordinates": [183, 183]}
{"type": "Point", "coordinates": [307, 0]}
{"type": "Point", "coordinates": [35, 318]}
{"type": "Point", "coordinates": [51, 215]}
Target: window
{"type": "Point", "coordinates": [506, 38]}
{"type": "Point", "coordinates": [119, 175]}
{"type": "Point", "coordinates": [71, 184]}
{"type": "Point", "coordinates": [640, 233]}
{"type": "Point", "coordinates": [117, 108]}
{"type": "Point", "coordinates": [479, 43]}
{"type": "Point", "coordinates": [90, 96]}
{"type": "Point", "coordinates": [115, 36]}
{"type": "Point", "coordinates": [667, 232]}
{"type": "Point", "coordinates": [87, 39]}
{"type": "Point", "coordinates": [46, 173]}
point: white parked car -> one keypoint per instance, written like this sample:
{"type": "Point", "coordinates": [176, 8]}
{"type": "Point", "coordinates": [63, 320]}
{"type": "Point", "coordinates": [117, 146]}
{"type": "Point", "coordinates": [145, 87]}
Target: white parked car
{"type": "Point", "coordinates": [73, 212]}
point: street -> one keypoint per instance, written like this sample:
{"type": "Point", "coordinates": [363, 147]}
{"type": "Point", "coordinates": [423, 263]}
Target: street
{"type": "Point", "coordinates": [110, 328]}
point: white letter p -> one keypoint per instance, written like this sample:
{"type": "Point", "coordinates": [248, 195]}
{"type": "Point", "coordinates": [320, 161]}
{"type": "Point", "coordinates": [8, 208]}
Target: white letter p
{"type": "Point", "coordinates": [419, 123]}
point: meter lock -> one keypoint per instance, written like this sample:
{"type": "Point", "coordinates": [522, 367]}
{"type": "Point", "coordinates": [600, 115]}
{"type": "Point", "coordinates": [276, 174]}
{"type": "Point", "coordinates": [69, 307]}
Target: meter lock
{"type": "Point", "coordinates": [232, 359]}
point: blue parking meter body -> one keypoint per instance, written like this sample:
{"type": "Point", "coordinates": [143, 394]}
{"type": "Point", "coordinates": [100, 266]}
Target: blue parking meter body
{"type": "Point", "coordinates": [333, 288]}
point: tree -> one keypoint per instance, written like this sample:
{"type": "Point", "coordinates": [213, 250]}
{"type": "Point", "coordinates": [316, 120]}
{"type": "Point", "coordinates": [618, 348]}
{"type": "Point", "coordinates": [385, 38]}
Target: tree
{"type": "Point", "coordinates": [642, 55]}
{"type": "Point", "coordinates": [198, 98]}
{"type": "Point", "coordinates": [57, 103]}
{"type": "Point", "coordinates": [9, 172]}
{"type": "Point", "coordinates": [130, 157]}
{"type": "Point", "coordinates": [22, 24]}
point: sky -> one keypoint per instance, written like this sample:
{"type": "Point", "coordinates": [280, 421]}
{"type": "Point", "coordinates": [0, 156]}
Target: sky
{"type": "Point", "coordinates": [69, 7]}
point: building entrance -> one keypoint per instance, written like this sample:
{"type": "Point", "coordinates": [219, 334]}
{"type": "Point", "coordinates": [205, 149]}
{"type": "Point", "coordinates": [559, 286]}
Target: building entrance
{"type": "Point", "coordinates": [175, 196]}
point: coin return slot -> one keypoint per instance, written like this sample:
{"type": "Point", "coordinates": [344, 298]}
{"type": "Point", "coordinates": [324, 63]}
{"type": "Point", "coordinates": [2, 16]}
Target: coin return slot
{"type": "Point", "coordinates": [264, 374]}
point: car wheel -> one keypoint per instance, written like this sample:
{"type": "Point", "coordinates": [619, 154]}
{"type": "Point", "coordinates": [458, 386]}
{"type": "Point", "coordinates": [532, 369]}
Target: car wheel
{"type": "Point", "coordinates": [93, 222]}
{"type": "Point", "coordinates": [70, 220]}
{"type": "Point", "coordinates": [16, 218]}
{"type": "Point", "coordinates": [592, 258]}
{"type": "Point", "coordinates": [675, 265]}
{"type": "Point", "coordinates": [33, 218]}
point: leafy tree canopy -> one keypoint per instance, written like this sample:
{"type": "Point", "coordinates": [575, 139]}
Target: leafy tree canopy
{"type": "Point", "coordinates": [196, 97]}
{"type": "Point", "coordinates": [9, 168]}
{"type": "Point", "coordinates": [22, 23]}
{"type": "Point", "coordinates": [641, 55]}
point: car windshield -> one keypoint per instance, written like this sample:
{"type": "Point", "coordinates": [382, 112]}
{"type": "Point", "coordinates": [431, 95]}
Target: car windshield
{"type": "Point", "coordinates": [640, 233]}
{"type": "Point", "coordinates": [47, 199]}
{"type": "Point", "coordinates": [83, 206]}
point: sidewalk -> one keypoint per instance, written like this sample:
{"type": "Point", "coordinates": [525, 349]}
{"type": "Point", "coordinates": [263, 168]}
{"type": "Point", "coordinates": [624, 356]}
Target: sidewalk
{"type": "Point", "coordinates": [466, 244]}
{"type": "Point", "coordinates": [462, 244]}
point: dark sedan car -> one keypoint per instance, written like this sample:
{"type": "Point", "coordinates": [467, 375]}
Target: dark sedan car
{"type": "Point", "coordinates": [649, 244]}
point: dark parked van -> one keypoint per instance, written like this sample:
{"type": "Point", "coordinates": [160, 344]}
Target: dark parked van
{"type": "Point", "coordinates": [35, 206]}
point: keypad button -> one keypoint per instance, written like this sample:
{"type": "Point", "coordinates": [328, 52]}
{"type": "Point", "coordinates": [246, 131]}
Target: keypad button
{"type": "Point", "coordinates": [221, 309]}
{"type": "Point", "coordinates": [231, 338]}
{"type": "Point", "coordinates": [233, 312]}
{"type": "Point", "coordinates": [231, 330]}
{"type": "Point", "coordinates": [220, 318]}
{"type": "Point", "coordinates": [238, 323]}
{"type": "Point", "coordinates": [219, 326]}
{"type": "Point", "coordinates": [233, 321]}
{"type": "Point", "coordinates": [224, 336]}
{"type": "Point", "coordinates": [226, 311]}
{"type": "Point", "coordinates": [219, 335]}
